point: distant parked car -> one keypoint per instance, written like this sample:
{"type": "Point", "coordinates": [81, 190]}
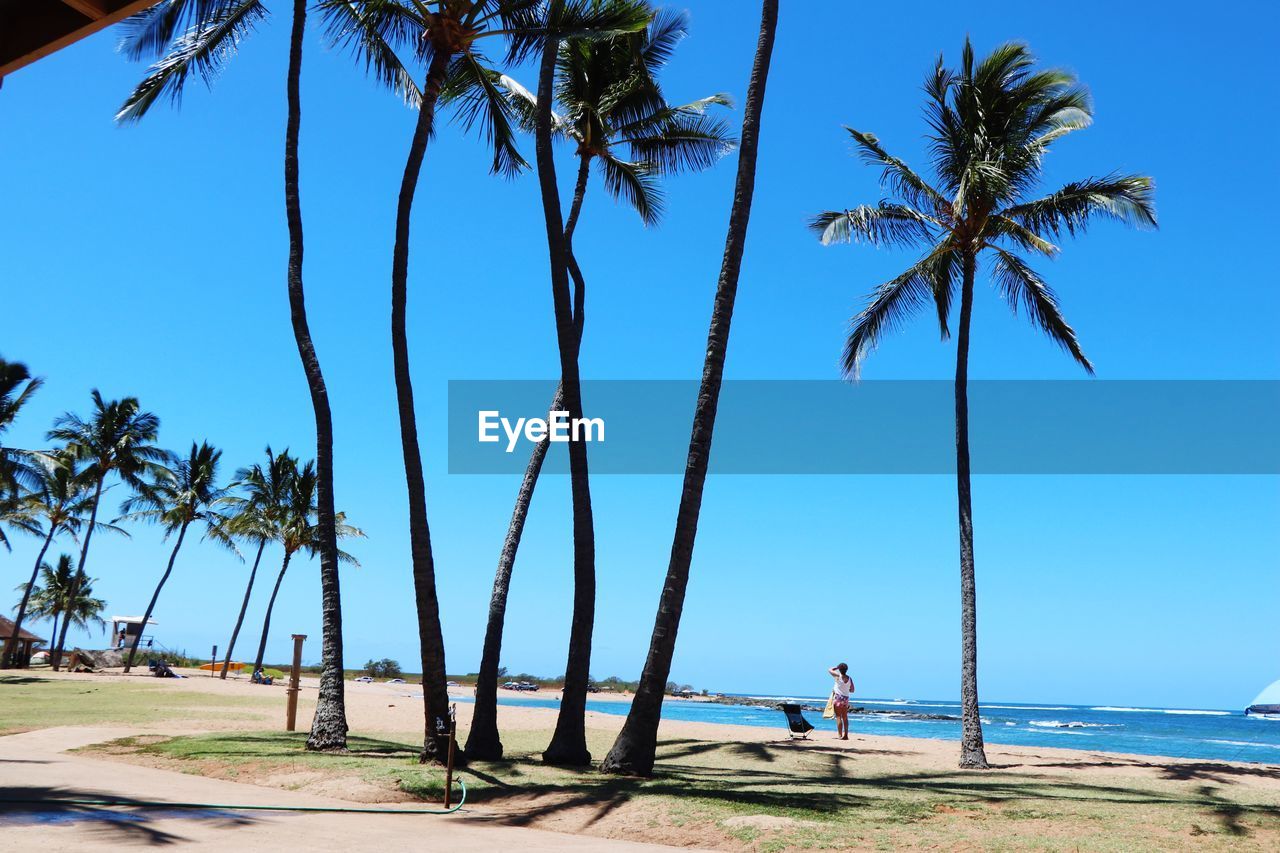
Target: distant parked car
{"type": "Point", "coordinates": [451, 684]}
{"type": "Point", "coordinates": [365, 679]}
{"type": "Point", "coordinates": [510, 685]}
{"type": "Point", "coordinates": [527, 686]}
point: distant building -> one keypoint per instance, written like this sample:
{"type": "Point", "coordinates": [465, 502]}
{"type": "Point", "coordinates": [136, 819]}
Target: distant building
{"type": "Point", "coordinates": [27, 642]}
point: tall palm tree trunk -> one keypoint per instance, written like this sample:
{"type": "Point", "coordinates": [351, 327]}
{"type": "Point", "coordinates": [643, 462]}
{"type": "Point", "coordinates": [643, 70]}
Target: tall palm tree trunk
{"type": "Point", "coordinates": [6, 659]}
{"type": "Point", "coordinates": [569, 741]}
{"type": "Point", "coordinates": [972, 754]}
{"type": "Point", "coordinates": [75, 576]}
{"type": "Point", "coordinates": [633, 752]}
{"type": "Point", "coordinates": [271, 603]}
{"type": "Point", "coordinates": [483, 741]}
{"type": "Point", "coordinates": [329, 726]}
{"type": "Point", "coordinates": [155, 596]}
{"type": "Point", "coordinates": [244, 605]}
{"type": "Point", "coordinates": [435, 695]}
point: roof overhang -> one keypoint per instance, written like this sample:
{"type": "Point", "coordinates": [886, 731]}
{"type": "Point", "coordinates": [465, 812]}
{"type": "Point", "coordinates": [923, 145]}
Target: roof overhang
{"type": "Point", "coordinates": [33, 29]}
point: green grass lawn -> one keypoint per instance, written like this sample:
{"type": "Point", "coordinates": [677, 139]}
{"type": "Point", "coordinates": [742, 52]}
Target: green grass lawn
{"type": "Point", "coordinates": [30, 702]}
{"type": "Point", "coordinates": [772, 797]}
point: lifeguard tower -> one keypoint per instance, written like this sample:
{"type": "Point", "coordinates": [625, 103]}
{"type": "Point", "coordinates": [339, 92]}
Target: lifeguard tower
{"type": "Point", "coordinates": [125, 628]}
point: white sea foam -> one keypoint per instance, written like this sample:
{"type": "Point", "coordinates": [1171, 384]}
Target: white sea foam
{"type": "Point", "coordinates": [1070, 724]}
{"type": "Point", "coordinates": [1245, 743]}
{"type": "Point", "coordinates": [1163, 711]}
{"type": "Point", "coordinates": [1031, 707]}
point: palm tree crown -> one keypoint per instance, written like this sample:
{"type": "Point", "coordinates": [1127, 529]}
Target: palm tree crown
{"type": "Point", "coordinates": [17, 467]}
{"type": "Point", "coordinates": [258, 511]}
{"type": "Point", "coordinates": [612, 101]}
{"type": "Point", "coordinates": [53, 598]}
{"type": "Point", "coordinates": [991, 124]}
{"type": "Point", "coordinates": [118, 437]}
{"type": "Point", "coordinates": [187, 493]}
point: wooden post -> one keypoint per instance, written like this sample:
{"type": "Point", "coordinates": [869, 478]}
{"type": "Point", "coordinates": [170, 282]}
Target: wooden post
{"type": "Point", "coordinates": [448, 768]}
{"type": "Point", "coordinates": [291, 709]}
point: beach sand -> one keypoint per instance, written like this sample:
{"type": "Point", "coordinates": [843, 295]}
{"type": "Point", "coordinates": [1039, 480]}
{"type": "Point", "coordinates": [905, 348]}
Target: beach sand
{"type": "Point", "coordinates": [1215, 794]}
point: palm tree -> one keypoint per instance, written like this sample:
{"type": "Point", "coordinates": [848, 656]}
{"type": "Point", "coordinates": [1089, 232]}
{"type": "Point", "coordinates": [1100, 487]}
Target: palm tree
{"type": "Point", "coordinates": [633, 751]}
{"type": "Point", "coordinates": [66, 593]}
{"type": "Point", "coordinates": [611, 100]}
{"type": "Point", "coordinates": [175, 499]}
{"type": "Point", "coordinates": [62, 500]}
{"type": "Point", "coordinates": [116, 439]}
{"type": "Point", "coordinates": [446, 36]}
{"type": "Point", "coordinates": [991, 123]}
{"type": "Point", "coordinates": [256, 517]}
{"type": "Point", "coordinates": [212, 34]}
{"type": "Point", "coordinates": [297, 531]}
{"type": "Point", "coordinates": [16, 466]}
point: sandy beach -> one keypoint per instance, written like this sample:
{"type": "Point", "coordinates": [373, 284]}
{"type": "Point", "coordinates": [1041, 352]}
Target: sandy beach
{"type": "Point", "coordinates": [718, 786]}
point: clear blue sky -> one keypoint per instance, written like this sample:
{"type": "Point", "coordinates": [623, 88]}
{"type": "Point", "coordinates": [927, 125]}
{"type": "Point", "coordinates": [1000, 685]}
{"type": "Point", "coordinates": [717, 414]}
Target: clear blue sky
{"type": "Point", "coordinates": [150, 261]}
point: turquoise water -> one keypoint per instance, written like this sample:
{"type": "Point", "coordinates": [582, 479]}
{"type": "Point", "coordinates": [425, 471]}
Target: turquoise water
{"type": "Point", "coordinates": [1178, 733]}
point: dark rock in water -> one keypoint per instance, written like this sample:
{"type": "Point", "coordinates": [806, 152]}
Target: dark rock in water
{"type": "Point", "coordinates": [1262, 709]}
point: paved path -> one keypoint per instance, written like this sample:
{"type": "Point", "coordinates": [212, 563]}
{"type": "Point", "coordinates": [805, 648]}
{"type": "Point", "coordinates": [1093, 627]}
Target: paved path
{"type": "Point", "coordinates": [36, 765]}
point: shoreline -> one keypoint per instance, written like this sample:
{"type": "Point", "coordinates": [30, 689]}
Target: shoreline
{"type": "Point", "coordinates": [372, 708]}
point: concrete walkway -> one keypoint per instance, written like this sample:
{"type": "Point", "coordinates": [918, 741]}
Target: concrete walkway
{"type": "Point", "coordinates": [35, 765]}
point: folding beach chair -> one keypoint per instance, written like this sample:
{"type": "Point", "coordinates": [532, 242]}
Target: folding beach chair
{"type": "Point", "coordinates": [797, 725]}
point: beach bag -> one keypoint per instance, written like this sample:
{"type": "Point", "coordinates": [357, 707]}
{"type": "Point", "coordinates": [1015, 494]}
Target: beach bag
{"type": "Point", "coordinates": [829, 712]}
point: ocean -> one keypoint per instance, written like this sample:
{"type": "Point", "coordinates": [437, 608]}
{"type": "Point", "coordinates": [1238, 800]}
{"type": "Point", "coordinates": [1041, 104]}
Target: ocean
{"type": "Point", "coordinates": [1207, 734]}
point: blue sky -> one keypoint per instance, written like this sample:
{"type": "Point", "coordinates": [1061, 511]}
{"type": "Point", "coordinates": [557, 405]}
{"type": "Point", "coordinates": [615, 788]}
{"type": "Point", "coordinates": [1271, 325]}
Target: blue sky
{"type": "Point", "coordinates": [150, 260]}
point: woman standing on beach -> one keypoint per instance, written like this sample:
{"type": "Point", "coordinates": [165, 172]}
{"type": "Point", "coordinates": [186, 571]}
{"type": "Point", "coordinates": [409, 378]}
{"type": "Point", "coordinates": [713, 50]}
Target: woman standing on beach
{"type": "Point", "coordinates": [840, 698]}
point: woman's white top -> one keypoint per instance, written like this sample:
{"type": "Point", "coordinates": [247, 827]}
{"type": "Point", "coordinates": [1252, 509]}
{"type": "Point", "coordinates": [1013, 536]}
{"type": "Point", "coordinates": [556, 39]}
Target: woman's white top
{"type": "Point", "coordinates": [842, 686]}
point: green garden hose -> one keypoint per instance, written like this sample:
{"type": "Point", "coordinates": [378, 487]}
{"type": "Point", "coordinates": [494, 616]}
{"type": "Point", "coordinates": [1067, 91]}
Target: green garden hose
{"type": "Point", "coordinates": [221, 807]}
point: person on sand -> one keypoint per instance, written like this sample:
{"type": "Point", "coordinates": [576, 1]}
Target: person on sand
{"type": "Point", "coordinates": [840, 698]}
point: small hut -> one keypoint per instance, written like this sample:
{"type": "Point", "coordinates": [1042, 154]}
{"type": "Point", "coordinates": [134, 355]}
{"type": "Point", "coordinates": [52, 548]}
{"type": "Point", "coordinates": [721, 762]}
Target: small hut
{"type": "Point", "coordinates": [27, 642]}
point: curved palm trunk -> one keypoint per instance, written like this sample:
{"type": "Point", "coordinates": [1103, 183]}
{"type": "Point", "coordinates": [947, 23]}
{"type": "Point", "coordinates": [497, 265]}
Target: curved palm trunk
{"type": "Point", "coordinates": [244, 605]}
{"type": "Point", "coordinates": [435, 695]}
{"type": "Point", "coordinates": [483, 741]}
{"type": "Point", "coordinates": [75, 576]}
{"type": "Point", "coordinates": [569, 742]}
{"type": "Point", "coordinates": [633, 752]}
{"type": "Point", "coordinates": [271, 603]}
{"type": "Point", "coordinates": [972, 754]}
{"type": "Point", "coordinates": [155, 596]}
{"type": "Point", "coordinates": [6, 659]}
{"type": "Point", "coordinates": [329, 726]}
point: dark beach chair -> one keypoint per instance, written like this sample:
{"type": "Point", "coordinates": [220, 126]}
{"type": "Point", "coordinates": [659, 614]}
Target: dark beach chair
{"type": "Point", "coordinates": [797, 725]}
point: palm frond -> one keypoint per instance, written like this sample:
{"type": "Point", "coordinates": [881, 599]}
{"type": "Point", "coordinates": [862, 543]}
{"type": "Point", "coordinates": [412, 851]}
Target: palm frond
{"type": "Point", "coordinates": [1022, 287]}
{"type": "Point", "coordinates": [684, 142]}
{"type": "Point", "coordinates": [1125, 198]}
{"type": "Point", "coordinates": [887, 224]}
{"type": "Point", "coordinates": [930, 278]}
{"type": "Point", "coordinates": [897, 175]}
{"type": "Point", "coordinates": [479, 98]}
{"type": "Point", "coordinates": [377, 32]}
{"type": "Point", "coordinates": [635, 185]}
{"type": "Point", "coordinates": [149, 32]}
{"type": "Point", "coordinates": [203, 49]}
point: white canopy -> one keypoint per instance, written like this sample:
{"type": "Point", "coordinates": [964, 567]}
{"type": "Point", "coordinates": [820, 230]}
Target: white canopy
{"type": "Point", "coordinates": [132, 620]}
{"type": "Point", "coordinates": [1269, 696]}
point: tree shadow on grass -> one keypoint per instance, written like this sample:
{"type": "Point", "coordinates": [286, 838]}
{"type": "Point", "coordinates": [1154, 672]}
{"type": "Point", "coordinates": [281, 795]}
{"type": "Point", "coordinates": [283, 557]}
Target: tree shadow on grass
{"type": "Point", "coordinates": [17, 680]}
{"type": "Point", "coordinates": [1180, 771]}
{"type": "Point", "coordinates": [124, 822]}
{"type": "Point", "coordinates": [823, 792]}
